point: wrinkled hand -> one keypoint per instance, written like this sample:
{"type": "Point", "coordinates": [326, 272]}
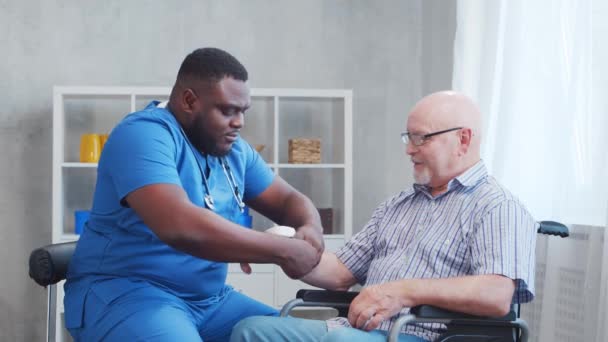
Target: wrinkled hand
{"type": "Point", "coordinates": [312, 235]}
{"type": "Point", "coordinates": [375, 304]}
{"type": "Point", "coordinates": [301, 259]}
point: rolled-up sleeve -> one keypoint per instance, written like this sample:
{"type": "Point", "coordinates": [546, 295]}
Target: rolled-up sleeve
{"type": "Point", "coordinates": [504, 243]}
{"type": "Point", "coordinates": [358, 253]}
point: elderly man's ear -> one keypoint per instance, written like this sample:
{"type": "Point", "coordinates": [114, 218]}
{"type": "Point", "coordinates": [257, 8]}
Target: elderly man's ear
{"type": "Point", "coordinates": [465, 136]}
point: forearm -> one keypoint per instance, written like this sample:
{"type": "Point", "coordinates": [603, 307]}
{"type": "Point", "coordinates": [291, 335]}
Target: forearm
{"type": "Point", "coordinates": [204, 234]}
{"type": "Point", "coordinates": [169, 213]}
{"type": "Point", "coordinates": [484, 295]}
{"type": "Point", "coordinates": [330, 274]}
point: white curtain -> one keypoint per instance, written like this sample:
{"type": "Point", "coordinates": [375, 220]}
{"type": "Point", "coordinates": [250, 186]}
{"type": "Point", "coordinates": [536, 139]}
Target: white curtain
{"type": "Point", "coordinates": [530, 65]}
{"type": "Point", "coordinates": [539, 71]}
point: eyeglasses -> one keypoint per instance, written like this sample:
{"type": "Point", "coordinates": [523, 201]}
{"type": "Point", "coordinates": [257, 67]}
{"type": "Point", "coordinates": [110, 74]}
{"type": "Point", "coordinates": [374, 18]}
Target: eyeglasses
{"type": "Point", "coordinates": [420, 139]}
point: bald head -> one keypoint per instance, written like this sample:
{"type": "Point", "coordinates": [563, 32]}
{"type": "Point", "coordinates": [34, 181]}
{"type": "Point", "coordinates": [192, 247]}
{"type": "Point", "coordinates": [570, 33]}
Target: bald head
{"type": "Point", "coordinates": [448, 109]}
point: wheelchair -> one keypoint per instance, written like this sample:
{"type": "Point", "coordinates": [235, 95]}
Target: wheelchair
{"type": "Point", "coordinates": [460, 327]}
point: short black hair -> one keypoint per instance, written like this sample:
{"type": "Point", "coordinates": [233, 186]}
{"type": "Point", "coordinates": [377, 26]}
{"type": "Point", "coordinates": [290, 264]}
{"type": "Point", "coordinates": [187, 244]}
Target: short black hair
{"type": "Point", "coordinates": [211, 64]}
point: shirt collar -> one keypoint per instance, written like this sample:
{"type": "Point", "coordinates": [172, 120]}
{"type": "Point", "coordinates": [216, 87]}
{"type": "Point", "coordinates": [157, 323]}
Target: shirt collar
{"type": "Point", "coordinates": [471, 177]}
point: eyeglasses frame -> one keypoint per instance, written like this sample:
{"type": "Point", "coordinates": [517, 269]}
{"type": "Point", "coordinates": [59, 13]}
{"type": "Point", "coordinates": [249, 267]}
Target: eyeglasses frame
{"type": "Point", "coordinates": [406, 136]}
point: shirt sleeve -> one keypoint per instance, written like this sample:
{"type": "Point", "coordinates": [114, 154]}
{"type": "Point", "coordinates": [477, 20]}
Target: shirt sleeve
{"type": "Point", "coordinates": [358, 253]}
{"type": "Point", "coordinates": [504, 244]}
{"type": "Point", "coordinates": [140, 152]}
{"type": "Point", "coordinates": [258, 175]}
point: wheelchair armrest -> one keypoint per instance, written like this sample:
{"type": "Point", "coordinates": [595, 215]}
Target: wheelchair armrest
{"type": "Point", "coordinates": [553, 228]}
{"type": "Point", "coordinates": [327, 296]}
{"type": "Point", "coordinates": [433, 312]}
{"type": "Point", "coordinates": [339, 300]}
{"type": "Point", "coordinates": [49, 264]}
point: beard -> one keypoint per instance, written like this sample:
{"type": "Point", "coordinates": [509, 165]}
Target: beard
{"type": "Point", "coordinates": [422, 177]}
{"type": "Point", "coordinates": [210, 147]}
{"type": "Point", "coordinates": [205, 143]}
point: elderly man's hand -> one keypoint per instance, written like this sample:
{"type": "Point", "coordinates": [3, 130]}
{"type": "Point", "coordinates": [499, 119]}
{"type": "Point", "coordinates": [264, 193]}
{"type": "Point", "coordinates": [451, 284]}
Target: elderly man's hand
{"type": "Point", "coordinates": [375, 304]}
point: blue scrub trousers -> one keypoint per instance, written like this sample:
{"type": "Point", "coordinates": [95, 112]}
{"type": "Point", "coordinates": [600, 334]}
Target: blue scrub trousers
{"type": "Point", "coordinates": [289, 329]}
{"type": "Point", "coordinates": [150, 314]}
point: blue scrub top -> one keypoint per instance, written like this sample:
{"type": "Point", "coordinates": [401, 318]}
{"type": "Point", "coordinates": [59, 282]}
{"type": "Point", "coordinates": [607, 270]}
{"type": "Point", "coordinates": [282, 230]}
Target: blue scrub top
{"type": "Point", "coordinates": [148, 147]}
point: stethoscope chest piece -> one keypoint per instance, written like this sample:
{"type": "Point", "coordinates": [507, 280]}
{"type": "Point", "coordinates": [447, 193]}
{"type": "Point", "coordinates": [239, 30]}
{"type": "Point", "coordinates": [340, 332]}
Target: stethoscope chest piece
{"type": "Point", "coordinates": [209, 202]}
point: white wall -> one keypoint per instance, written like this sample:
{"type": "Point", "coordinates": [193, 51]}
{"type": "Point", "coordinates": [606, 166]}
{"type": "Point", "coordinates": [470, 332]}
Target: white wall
{"type": "Point", "coordinates": [389, 52]}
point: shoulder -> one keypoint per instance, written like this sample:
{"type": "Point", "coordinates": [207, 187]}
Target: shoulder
{"type": "Point", "coordinates": [152, 122]}
{"type": "Point", "coordinates": [145, 132]}
{"type": "Point", "coordinates": [150, 117]}
{"type": "Point", "coordinates": [492, 189]}
{"type": "Point", "coordinates": [489, 194]}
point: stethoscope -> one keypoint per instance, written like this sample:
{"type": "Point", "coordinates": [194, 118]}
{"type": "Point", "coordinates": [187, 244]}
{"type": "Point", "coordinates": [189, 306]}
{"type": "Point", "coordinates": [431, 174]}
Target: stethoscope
{"type": "Point", "coordinates": [208, 198]}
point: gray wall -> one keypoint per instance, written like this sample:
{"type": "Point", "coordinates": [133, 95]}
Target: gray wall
{"type": "Point", "coordinates": [389, 52]}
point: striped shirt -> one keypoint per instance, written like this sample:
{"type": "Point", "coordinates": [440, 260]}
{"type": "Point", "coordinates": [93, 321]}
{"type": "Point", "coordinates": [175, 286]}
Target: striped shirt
{"type": "Point", "coordinates": [476, 227]}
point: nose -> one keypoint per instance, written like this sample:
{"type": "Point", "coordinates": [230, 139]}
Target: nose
{"type": "Point", "coordinates": [238, 120]}
{"type": "Point", "coordinates": [410, 148]}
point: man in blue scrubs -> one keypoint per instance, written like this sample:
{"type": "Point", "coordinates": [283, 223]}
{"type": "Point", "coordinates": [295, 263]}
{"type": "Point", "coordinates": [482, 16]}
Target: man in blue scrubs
{"type": "Point", "coordinates": [172, 185]}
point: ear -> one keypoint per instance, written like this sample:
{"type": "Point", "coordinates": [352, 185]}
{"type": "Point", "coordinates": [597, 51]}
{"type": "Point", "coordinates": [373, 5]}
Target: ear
{"type": "Point", "coordinates": [188, 101]}
{"type": "Point", "coordinates": [465, 136]}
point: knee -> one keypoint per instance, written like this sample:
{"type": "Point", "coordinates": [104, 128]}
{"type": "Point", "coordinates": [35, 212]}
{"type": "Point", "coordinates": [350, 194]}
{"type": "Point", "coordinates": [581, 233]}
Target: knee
{"type": "Point", "coordinates": [256, 328]}
{"type": "Point", "coordinates": [243, 329]}
{"type": "Point", "coordinates": [342, 334]}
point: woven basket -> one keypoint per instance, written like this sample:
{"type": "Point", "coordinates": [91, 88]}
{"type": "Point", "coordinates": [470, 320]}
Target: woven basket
{"type": "Point", "coordinates": [304, 151]}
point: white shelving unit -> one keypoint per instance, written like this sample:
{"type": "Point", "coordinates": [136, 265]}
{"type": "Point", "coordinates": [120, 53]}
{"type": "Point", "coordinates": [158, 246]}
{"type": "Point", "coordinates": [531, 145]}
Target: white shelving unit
{"type": "Point", "coordinates": [275, 116]}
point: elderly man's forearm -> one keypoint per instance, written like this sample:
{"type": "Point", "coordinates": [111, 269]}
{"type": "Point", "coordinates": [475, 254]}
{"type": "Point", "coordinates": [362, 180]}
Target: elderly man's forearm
{"type": "Point", "coordinates": [483, 295]}
{"type": "Point", "coordinates": [330, 274]}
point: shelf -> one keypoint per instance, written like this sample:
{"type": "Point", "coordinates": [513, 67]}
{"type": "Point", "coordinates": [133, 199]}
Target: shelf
{"type": "Point", "coordinates": [280, 166]}
{"type": "Point", "coordinates": [308, 166]}
{"type": "Point", "coordinates": [159, 91]}
{"type": "Point", "coordinates": [103, 91]}
{"type": "Point", "coordinates": [68, 237]}
{"type": "Point", "coordinates": [78, 165]}
{"type": "Point", "coordinates": [276, 116]}
{"type": "Point", "coordinates": [301, 93]}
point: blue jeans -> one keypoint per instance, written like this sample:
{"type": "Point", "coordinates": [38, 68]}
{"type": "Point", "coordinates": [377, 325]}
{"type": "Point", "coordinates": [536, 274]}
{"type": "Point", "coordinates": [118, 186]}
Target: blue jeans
{"type": "Point", "coordinates": [273, 329]}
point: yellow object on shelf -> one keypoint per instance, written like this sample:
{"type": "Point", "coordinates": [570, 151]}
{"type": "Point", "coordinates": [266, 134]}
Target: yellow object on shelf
{"type": "Point", "coordinates": [259, 147]}
{"type": "Point", "coordinates": [90, 148]}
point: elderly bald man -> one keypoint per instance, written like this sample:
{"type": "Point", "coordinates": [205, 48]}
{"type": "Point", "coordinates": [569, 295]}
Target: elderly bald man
{"type": "Point", "coordinates": [457, 240]}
